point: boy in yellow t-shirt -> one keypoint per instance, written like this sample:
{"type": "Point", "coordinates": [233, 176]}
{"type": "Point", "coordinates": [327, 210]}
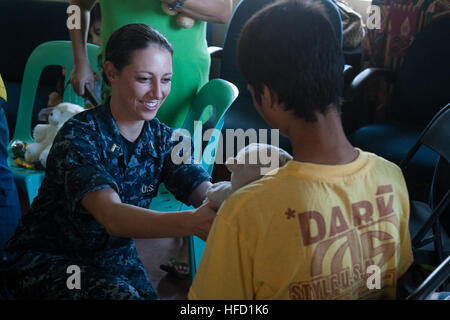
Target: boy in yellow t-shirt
{"type": "Point", "coordinates": [333, 222]}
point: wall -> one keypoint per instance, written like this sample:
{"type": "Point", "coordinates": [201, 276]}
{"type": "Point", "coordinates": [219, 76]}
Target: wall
{"type": "Point", "coordinates": [219, 29]}
{"type": "Point", "coordinates": [360, 6]}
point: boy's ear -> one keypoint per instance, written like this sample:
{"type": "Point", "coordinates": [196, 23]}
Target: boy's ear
{"type": "Point", "coordinates": [270, 98]}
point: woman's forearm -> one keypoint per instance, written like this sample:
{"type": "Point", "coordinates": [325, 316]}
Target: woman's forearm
{"type": "Point", "coordinates": [218, 11]}
{"type": "Point", "coordinates": [133, 222]}
{"type": "Point", "coordinates": [124, 220]}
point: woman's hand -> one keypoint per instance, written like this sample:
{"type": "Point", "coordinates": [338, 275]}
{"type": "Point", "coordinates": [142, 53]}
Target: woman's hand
{"type": "Point", "coordinates": [81, 76]}
{"type": "Point", "coordinates": [218, 11]}
{"type": "Point", "coordinates": [203, 218]}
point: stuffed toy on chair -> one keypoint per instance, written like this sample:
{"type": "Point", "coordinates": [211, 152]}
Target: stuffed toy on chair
{"type": "Point", "coordinates": [249, 165]}
{"type": "Point", "coordinates": [44, 134]}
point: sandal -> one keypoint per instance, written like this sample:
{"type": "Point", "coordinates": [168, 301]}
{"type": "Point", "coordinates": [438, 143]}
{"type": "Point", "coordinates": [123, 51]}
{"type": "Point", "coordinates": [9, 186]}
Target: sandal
{"type": "Point", "coordinates": [176, 268]}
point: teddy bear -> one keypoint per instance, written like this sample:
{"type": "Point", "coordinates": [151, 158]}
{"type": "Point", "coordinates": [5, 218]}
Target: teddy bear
{"type": "Point", "coordinates": [44, 134]}
{"type": "Point", "coordinates": [183, 20]}
{"type": "Point", "coordinates": [250, 164]}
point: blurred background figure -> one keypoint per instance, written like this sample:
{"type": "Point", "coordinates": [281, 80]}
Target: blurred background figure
{"type": "Point", "coordinates": [10, 211]}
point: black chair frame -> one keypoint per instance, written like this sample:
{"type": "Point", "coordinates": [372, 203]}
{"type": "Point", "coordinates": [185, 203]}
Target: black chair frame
{"type": "Point", "coordinates": [436, 136]}
{"type": "Point", "coordinates": [432, 282]}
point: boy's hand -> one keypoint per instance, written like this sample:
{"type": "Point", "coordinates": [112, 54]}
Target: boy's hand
{"type": "Point", "coordinates": [203, 218]}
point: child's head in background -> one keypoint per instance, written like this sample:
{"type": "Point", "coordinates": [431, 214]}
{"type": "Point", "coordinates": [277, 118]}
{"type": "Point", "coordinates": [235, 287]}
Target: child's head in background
{"type": "Point", "coordinates": [94, 32]}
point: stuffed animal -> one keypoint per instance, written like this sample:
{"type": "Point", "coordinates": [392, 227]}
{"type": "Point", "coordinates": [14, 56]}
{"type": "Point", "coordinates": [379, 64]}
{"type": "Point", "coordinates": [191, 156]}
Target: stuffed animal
{"type": "Point", "coordinates": [183, 20]}
{"type": "Point", "coordinates": [44, 134]}
{"type": "Point", "coordinates": [250, 164]}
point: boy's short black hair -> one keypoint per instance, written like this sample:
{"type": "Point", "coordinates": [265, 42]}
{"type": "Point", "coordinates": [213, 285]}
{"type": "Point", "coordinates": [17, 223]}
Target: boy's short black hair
{"type": "Point", "coordinates": [291, 47]}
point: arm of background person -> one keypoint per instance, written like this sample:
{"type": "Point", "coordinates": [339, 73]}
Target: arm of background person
{"type": "Point", "coordinates": [123, 220]}
{"type": "Point", "coordinates": [218, 11]}
{"type": "Point", "coordinates": [82, 73]}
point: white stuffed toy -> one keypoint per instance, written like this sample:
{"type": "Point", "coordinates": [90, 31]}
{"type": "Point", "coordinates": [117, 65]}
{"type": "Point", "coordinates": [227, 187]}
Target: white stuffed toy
{"type": "Point", "coordinates": [44, 134]}
{"type": "Point", "coordinates": [250, 164]}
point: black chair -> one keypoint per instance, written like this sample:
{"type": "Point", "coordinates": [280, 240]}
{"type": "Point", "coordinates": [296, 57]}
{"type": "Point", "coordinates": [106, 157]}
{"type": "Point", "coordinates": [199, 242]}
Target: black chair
{"type": "Point", "coordinates": [430, 222]}
{"type": "Point", "coordinates": [432, 282]}
{"type": "Point", "coordinates": [242, 114]}
{"type": "Point", "coordinates": [421, 88]}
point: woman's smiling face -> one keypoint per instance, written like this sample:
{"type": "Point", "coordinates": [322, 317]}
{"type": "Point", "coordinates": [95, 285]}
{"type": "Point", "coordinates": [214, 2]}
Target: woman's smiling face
{"type": "Point", "coordinates": [142, 86]}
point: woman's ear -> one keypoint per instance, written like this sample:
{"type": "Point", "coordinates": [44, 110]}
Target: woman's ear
{"type": "Point", "coordinates": [110, 71]}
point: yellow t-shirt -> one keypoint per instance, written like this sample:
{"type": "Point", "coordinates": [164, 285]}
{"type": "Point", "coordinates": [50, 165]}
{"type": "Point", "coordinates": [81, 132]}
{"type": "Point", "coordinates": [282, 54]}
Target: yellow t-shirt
{"type": "Point", "coordinates": [310, 232]}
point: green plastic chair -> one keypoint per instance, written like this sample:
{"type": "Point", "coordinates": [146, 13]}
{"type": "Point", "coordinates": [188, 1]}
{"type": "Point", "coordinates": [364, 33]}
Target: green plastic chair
{"type": "Point", "coordinates": [50, 53]}
{"type": "Point", "coordinates": [217, 94]}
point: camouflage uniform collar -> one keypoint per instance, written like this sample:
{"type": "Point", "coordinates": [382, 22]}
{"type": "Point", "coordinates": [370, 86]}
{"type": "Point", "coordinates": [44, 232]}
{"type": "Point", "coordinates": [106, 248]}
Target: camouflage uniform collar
{"type": "Point", "coordinates": [145, 142]}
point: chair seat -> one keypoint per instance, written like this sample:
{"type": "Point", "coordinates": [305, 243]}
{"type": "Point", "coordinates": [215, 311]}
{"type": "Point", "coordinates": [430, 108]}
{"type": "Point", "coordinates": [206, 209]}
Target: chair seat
{"type": "Point", "coordinates": [396, 142]}
{"type": "Point", "coordinates": [420, 212]}
{"type": "Point", "coordinates": [27, 179]}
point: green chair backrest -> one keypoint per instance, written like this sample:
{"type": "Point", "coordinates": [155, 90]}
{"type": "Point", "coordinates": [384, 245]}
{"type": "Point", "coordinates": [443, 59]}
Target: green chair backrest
{"type": "Point", "coordinates": [50, 53]}
{"type": "Point", "coordinates": [217, 94]}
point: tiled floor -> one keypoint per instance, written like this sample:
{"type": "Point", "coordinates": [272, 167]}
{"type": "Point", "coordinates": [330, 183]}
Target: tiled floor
{"type": "Point", "coordinates": [153, 253]}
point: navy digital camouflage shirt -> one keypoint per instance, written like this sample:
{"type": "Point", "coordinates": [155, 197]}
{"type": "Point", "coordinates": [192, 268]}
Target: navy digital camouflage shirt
{"type": "Point", "coordinates": [89, 154]}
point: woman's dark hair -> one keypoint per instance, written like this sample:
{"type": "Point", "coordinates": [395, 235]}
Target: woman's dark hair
{"type": "Point", "coordinates": [129, 38]}
{"type": "Point", "coordinates": [291, 47]}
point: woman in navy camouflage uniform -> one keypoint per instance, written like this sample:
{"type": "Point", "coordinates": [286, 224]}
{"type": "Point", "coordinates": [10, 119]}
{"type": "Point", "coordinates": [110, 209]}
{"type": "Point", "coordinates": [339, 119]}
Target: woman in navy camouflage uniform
{"type": "Point", "coordinates": [102, 172]}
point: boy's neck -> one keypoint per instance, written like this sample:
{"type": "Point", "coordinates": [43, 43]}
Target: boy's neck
{"type": "Point", "coordinates": [321, 142]}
